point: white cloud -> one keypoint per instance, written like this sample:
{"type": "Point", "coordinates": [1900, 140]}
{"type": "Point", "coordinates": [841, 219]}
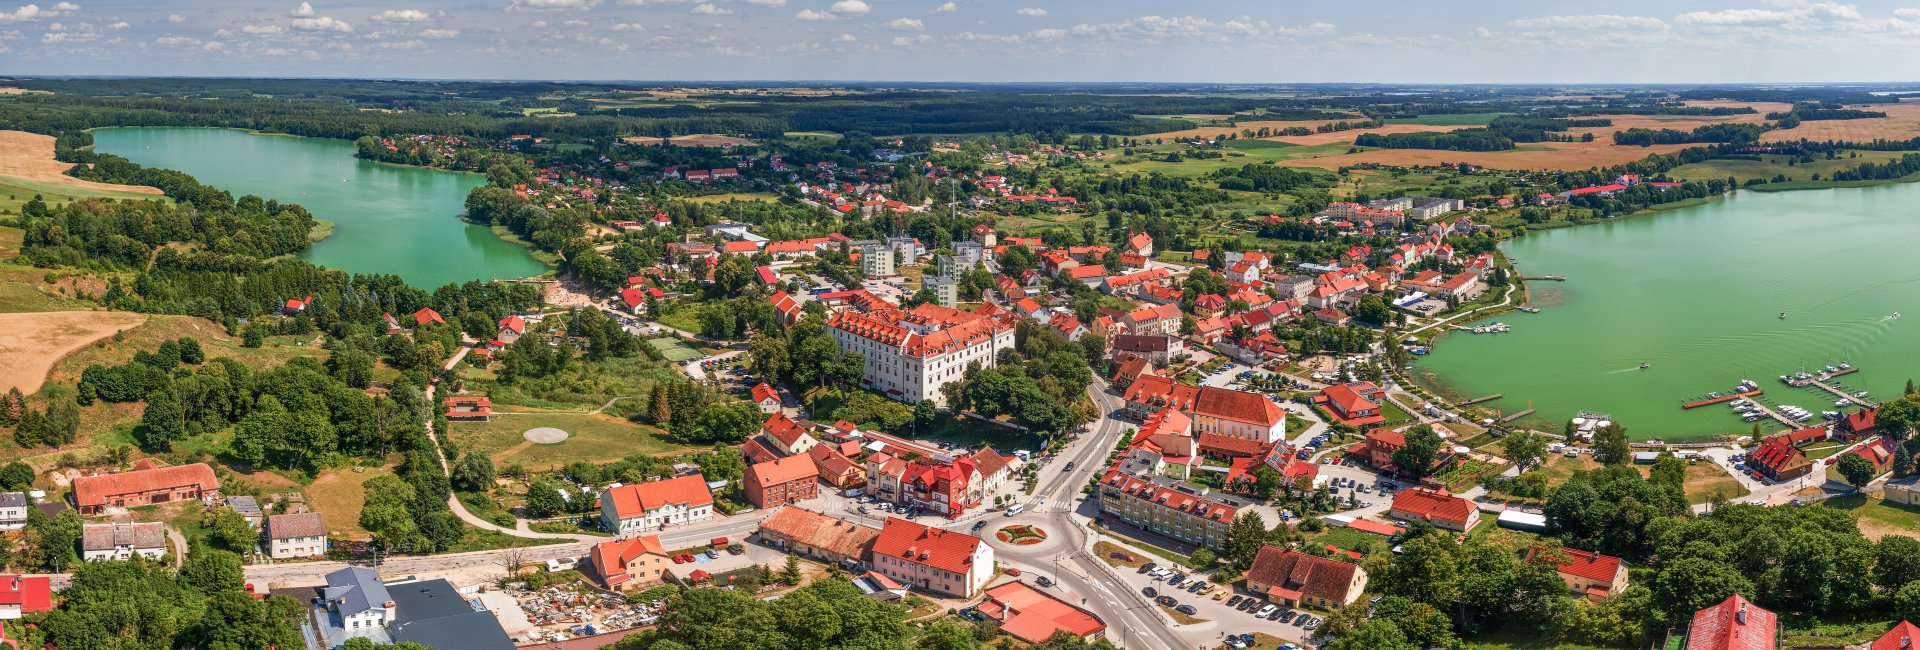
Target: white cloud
{"type": "Point", "coordinates": [709, 9]}
{"type": "Point", "coordinates": [844, 38]}
{"type": "Point", "coordinates": [1047, 34]}
{"type": "Point", "coordinates": [910, 24]}
{"type": "Point", "coordinates": [945, 8]}
{"type": "Point", "coordinates": [439, 33]}
{"type": "Point", "coordinates": [414, 44]}
{"type": "Point", "coordinates": [993, 38]}
{"type": "Point", "coordinates": [1734, 17]}
{"type": "Point", "coordinates": [213, 46]}
{"type": "Point", "coordinates": [1908, 13]}
{"type": "Point", "coordinates": [850, 8]}
{"type": "Point", "coordinates": [628, 27]}
{"type": "Point", "coordinates": [809, 14]}
{"type": "Point", "coordinates": [305, 10]}
{"type": "Point", "coordinates": [550, 5]}
{"type": "Point", "coordinates": [539, 24]}
{"type": "Point", "coordinates": [118, 25]}
{"type": "Point", "coordinates": [1601, 21]}
{"type": "Point", "coordinates": [321, 24]}
{"type": "Point", "coordinates": [400, 16]}
{"type": "Point", "coordinates": [24, 13]}
{"type": "Point", "coordinates": [1031, 11]}
{"type": "Point", "coordinates": [66, 6]}
{"type": "Point", "coordinates": [176, 41]}
{"type": "Point", "coordinates": [768, 3]}
{"type": "Point", "coordinates": [1311, 29]}
{"type": "Point", "coordinates": [262, 29]}
{"type": "Point", "coordinates": [176, 18]}
{"type": "Point", "coordinates": [576, 23]}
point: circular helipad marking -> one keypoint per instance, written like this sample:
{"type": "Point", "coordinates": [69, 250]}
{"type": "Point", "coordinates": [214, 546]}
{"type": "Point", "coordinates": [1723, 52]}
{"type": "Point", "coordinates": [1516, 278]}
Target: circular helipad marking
{"type": "Point", "coordinates": [545, 435]}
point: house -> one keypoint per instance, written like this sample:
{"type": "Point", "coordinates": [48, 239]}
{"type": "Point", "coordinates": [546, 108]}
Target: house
{"type": "Point", "coordinates": [296, 536]}
{"type": "Point", "coordinates": [631, 563]}
{"type": "Point", "coordinates": [468, 408]}
{"type": "Point", "coordinates": [993, 469]}
{"type": "Point", "coordinates": [1590, 574]}
{"type": "Point", "coordinates": [1377, 448]}
{"type": "Point", "coordinates": [766, 276]}
{"type": "Point", "coordinates": [356, 604]}
{"type": "Point", "coordinates": [294, 307]}
{"type": "Point", "coordinates": [1331, 316]}
{"type": "Point", "coordinates": [789, 438]}
{"type": "Point", "coordinates": [779, 482]}
{"type": "Point", "coordinates": [1139, 243]}
{"type": "Point", "coordinates": [931, 559]}
{"type": "Point", "coordinates": [835, 468]}
{"type": "Point", "coordinates": [1033, 616]}
{"type": "Point", "coordinates": [1734, 624]}
{"type": "Point", "coordinates": [118, 541]}
{"type": "Point", "coordinates": [1856, 424]}
{"type": "Point", "coordinates": [1293, 579]}
{"type": "Point", "coordinates": [1903, 636]}
{"type": "Point", "coordinates": [1437, 507]}
{"type": "Point", "coordinates": [13, 511]}
{"type": "Point", "coordinates": [427, 315]}
{"type": "Point", "coordinates": [1227, 412]}
{"type": "Point", "coordinates": [22, 595]}
{"type": "Point", "coordinates": [511, 329]}
{"type": "Point", "coordinates": [1129, 369]}
{"type": "Point", "coordinates": [142, 487]}
{"type": "Point", "coordinates": [819, 536]}
{"type": "Point", "coordinates": [947, 488]}
{"type": "Point", "coordinates": [911, 354]}
{"type": "Point", "coordinates": [1165, 506]}
{"type": "Point", "coordinates": [1348, 405]}
{"type": "Point", "coordinates": [1779, 459]}
{"type": "Point", "coordinates": [766, 397]}
{"type": "Point", "coordinates": [1157, 348]}
{"type": "Point", "coordinates": [627, 510]}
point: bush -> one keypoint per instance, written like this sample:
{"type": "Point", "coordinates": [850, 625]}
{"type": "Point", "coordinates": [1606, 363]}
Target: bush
{"type": "Point", "coordinates": [505, 520]}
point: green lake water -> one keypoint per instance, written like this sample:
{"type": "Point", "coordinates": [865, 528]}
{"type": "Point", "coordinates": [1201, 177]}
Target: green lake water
{"type": "Point", "coordinates": [387, 218]}
{"type": "Point", "coordinates": [1697, 293]}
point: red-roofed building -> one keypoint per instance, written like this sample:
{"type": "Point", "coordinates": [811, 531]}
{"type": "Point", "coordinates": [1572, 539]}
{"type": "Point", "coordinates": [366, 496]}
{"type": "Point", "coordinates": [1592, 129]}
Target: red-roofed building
{"type": "Point", "coordinates": [1294, 579]}
{"type": "Point", "coordinates": [631, 509]}
{"type": "Point", "coordinates": [816, 535]}
{"type": "Point", "coordinates": [788, 437]}
{"type": "Point", "coordinates": [1349, 406]}
{"type": "Point", "coordinates": [20, 595]}
{"type": "Point", "coordinates": [468, 408]}
{"type": "Point", "coordinates": [626, 564]}
{"type": "Point", "coordinates": [1140, 243]}
{"type": "Point", "coordinates": [766, 276]}
{"type": "Point", "coordinates": [779, 482]}
{"type": "Point", "coordinates": [1380, 445]}
{"type": "Point", "coordinates": [1437, 507]}
{"type": "Point", "coordinates": [786, 310]}
{"type": "Point", "coordinates": [932, 559]}
{"type": "Point", "coordinates": [1168, 507]}
{"type": "Point", "coordinates": [1591, 574]}
{"type": "Point", "coordinates": [427, 315]}
{"type": "Point", "coordinates": [1856, 424]}
{"type": "Point", "coordinates": [1779, 459]}
{"type": "Point", "coordinates": [511, 328]}
{"type": "Point", "coordinates": [766, 397]}
{"type": "Point", "coordinates": [1903, 636]}
{"type": "Point", "coordinates": [836, 468]}
{"type": "Point", "coordinates": [1734, 624]}
{"type": "Point", "coordinates": [294, 307]}
{"type": "Point", "coordinates": [146, 486]}
{"type": "Point", "coordinates": [1033, 616]}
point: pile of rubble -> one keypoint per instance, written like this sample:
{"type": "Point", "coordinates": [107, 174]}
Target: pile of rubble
{"type": "Point", "coordinates": [562, 609]}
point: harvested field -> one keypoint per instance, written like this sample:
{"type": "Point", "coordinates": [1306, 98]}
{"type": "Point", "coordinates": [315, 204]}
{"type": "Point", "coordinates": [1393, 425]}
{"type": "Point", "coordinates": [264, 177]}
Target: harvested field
{"type": "Point", "coordinates": [1214, 131]}
{"type": "Point", "coordinates": [29, 156]}
{"type": "Point", "coordinates": [696, 140]}
{"type": "Point", "coordinates": [1346, 137]}
{"type": "Point", "coordinates": [8, 90]}
{"type": "Point", "coordinates": [1762, 107]}
{"type": "Point", "coordinates": [31, 343]}
{"type": "Point", "coordinates": [1901, 123]}
{"type": "Point", "coordinates": [339, 494]}
{"type": "Point", "coordinates": [1541, 155]}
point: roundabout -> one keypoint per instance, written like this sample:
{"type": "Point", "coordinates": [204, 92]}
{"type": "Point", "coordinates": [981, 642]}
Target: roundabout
{"type": "Point", "coordinates": [1021, 535]}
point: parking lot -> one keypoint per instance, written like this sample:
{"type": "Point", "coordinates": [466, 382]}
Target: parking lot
{"type": "Point", "coordinates": [1222, 609]}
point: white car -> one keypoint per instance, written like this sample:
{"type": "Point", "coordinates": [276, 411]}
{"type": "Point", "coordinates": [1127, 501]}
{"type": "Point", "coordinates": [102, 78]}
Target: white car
{"type": "Point", "coordinates": [1264, 611]}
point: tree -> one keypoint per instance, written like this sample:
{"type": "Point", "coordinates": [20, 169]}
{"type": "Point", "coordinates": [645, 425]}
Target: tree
{"type": "Point", "coordinates": [1896, 562]}
{"type": "Point", "coordinates": [1202, 559]}
{"type": "Point", "coordinates": [1690, 584]}
{"type": "Point", "coordinates": [1906, 601]}
{"type": "Point", "coordinates": [1267, 481]}
{"type": "Point", "coordinates": [1245, 535]}
{"type": "Point", "coordinates": [543, 500]}
{"type": "Point", "coordinates": [769, 353]}
{"type": "Point", "coordinates": [352, 367]}
{"type": "Point", "coordinates": [163, 422]}
{"type": "Point", "coordinates": [1897, 417]}
{"type": "Point", "coordinates": [16, 476]}
{"type": "Point", "coordinates": [56, 539]}
{"type": "Point", "coordinates": [1415, 460]}
{"type": "Point", "coordinates": [791, 574]}
{"type": "Point", "coordinates": [474, 473]}
{"type": "Point", "coordinates": [1857, 470]}
{"type": "Point", "coordinates": [925, 413]}
{"type": "Point", "coordinates": [1525, 448]}
{"type": "Point", "coordinates": [1375, 634]}
{"type": "Point", "coordinates": [231, 530]}
{"type": "Point", "coordinates": [213, 570]}
{"type": "Point", "coordinates": [1610, 446]}
{"type": "Point", "coordinates": [1669, 470]}
{"type": "Point", "coordinates": [661, 412]}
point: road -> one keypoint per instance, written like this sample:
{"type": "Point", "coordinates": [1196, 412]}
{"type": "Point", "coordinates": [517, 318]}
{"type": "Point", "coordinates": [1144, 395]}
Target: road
{"type": "Point", "coordinates": [1505, 299]}
{"type": "Point", "coordinates": [1069, 560]}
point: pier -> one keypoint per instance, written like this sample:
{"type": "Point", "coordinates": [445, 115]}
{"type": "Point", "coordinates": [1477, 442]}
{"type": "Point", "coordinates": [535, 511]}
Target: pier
{"type": "Point", "coordinates": [1483, 398]}
{"type": "Point", "coordinates": [1850, 397]}
{"type": "Point", "coordinates": [1818, 377]}
{"type": "Point", "coordinates": [1516, 416]}
{"type": "Point", "coordinates": [1777, 417]}
{"type": "Point", "coordinates": [1721, 399]}
{"type": "Point", "coordinates": [1555, 278]}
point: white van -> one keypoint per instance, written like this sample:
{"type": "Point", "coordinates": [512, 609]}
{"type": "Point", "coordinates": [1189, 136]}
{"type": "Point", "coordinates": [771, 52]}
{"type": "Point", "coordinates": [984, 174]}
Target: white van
{"type": "Point", "coordinates": [1015, 509]}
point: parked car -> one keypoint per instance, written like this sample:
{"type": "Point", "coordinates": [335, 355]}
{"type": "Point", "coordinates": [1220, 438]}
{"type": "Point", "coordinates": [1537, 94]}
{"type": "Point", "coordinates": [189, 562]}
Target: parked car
{"type": "Point", "coordinates": [1149, 567]}
{"type": "Point", "coordinates": [1043, 581]}
{"type": "Point", "coordinates": [1186, 609]}
{"type": "Point", "coordinates": [1167, 601]}
{"type": "Point", "coordinates": [1235, 600]}
{"type": "Point", "coordinates": [1149, 592]}
{"type": "Point", "coordinates": [1264, 611]}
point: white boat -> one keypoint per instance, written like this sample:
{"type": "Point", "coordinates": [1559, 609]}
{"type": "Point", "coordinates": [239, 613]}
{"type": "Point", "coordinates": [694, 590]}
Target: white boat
{"type": "Point", "coordinates": [1831, 369]}
{"type": "Point", "coordinates": [1831, 415]}
{"type": "Point", "coordinates": [1844, 366]}
{"type": "Point", "coordinates": [1842, 402]}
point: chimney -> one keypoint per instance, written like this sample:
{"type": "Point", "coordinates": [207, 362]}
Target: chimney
{"type": "Point", "coordinates": [1741, 616]}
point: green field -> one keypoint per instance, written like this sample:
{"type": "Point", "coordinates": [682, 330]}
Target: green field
{"type": "Point", "coordinates": [1449, 119]}
{"type": "Point", "coordinates": [824, 135]}
{"type": "Point", "coordinates": [16, 192]}
{"type": "Point", "coordinates": [593, 438]}
{"type": "Point", "coordinates": [1768, 166]}
{"type": "Point", "coordinates": [1236, 156]}
{"type": "Point", "coordinates": [1251, 145]}
{"type": "Point", "coordinates": [735, 196]}
{"type": "Point", "coordinates": [672, 349]}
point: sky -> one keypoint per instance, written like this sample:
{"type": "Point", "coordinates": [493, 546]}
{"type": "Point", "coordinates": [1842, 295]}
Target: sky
{"type": "Point", "coordinates": [1249, 41]}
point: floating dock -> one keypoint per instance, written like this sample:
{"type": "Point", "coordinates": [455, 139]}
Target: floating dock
{"type": "Point", "coordinates": [1818, 377]}
{"type": "Point", "coordinates": [1556, 278]}
{"type": "Point", "coordinates": [1721, 399]}
{"type": "Point", "coordinates": [1850, 397]}
{"type": "Point", "coordinates": [1516, 416]}
{"type": "Point", "coordinates": [1483, 398]}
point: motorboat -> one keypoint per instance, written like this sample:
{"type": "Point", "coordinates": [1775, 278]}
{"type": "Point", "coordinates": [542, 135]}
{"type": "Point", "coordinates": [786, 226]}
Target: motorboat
{"type": "Point", "coordinates": [1645, 366]}
{"type": "Point", "coordinates": [1783, 315]}
{"type": "Point", "coordinates": [1842, 402]}
{"type": "Point", "coordinates": [1831, 415]}
{"type": "Point", "coordinates": [1844, 366]}
{"type": "Point", "coordinates": [1831, 369]}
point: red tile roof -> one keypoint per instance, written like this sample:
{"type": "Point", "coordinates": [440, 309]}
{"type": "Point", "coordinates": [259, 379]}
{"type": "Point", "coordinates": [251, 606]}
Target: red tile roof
{"type": "Point", "coordinates": [1589, 564]}
{"type": "Point", "coordinates": [34, 594]}
{"type": "Point", "coordinates": [835, 535]}
{"type": "Point", "coordinates": [636, 499]}
{"type": "Point", "coordinates": [785, 430]}
{"type": "Point", "coordinates": [514, 323]}
{"type": "Point", "coordinates": [1033, 616]}
{"type": "Point", "coordinates": [762, 392]}
{"type": "Point", "coordinates": [427, 315]}
{"type": "Point", "coordinates": [1903, 636]}
{"type": "Point", "coordinates": [1346, 400]}
{"type": "Point", "coordinates": [1239, 406]}
{"type": "Point", "coordinates": [1306, 574]}
{"type": "Point", "coordinates": [610, 558]}
{"type": "Point", "coordinates": [1433, 505]}
{"type": "Point", "coordinates": [784, 470]}
{"type": "Point", "coordinates": [1734, 624]}
{"type": "Point", "coordinates": [939, 548]}
{"type": "Point", "coordinates": [95, 490]}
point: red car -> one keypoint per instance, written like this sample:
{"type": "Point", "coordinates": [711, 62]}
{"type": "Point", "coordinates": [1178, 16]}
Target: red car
{"type": "Point", "coordinates": [683, 558]}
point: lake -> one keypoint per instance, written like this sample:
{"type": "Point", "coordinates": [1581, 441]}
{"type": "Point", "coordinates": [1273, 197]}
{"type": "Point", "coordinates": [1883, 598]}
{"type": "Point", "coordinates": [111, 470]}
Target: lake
{"type": "Point", "coordinates": [1696, 293]}
{"type": "Point", "coordinates": [387, 218]}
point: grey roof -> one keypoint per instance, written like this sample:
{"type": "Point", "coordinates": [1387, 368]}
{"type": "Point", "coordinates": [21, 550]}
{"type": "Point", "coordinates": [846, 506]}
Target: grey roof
{"type": "Point", "coordinates": [434, 614]}
{"type": "Point", "coordinates": [245, 505]}
{"type": "Point", "coordinates": [353, 590]}
{"type": "Point", "coordinates": [13, 499]}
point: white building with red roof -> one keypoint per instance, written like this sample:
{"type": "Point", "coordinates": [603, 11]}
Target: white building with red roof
{"type": "Point", "coordinates": [932, 559]}
{"type": "Point", "coordinates": [1033, 616]}
{"type": "Point", "coordinates": [1220, 411]}
{"type": "Point", "coordinates": [766, 398]}
{"type": "Point", "coordinates": [1437, 507]}
{"type": "Point", "coordinates": [1734, 624]}
{"type": "Point", "coordinates": [628, 510]}
{"type": "Point", "coordinates": [910, 355]}
{"type": "Point", "coordinates": [625, 564]}
{"type": "Point", "coordinates": [1591, 574]}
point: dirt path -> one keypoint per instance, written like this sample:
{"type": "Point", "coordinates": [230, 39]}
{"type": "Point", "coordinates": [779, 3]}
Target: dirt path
{"type": "Point", "coordinates": [30, 156]}
{"type": "Point", "coordinates": [32, 342]}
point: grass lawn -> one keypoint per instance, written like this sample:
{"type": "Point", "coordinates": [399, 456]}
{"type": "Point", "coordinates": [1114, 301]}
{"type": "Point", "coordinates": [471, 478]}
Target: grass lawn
{"type": "Point", "coordinates": [672, 349]}
{"type": "Point", "coordinates": [974, 433]}
{"type": "Point", "coordinates": [590, 437]}
{"type": "Point", "coordinates": [16, 192]}
{"type": "Point", "coordinates": [338, 495]}
{"type": "Point", "coordinates": [1706, 480]}
{"type": "Point", "coordinates": [1448, 119]}
{"type": "Point", "coordinates": [487, 540]}
{"type": "Point", "coordinates": [1877, 517]}
{"type": "Point", "coordinates": [1194, 168]}
{"type": "Point", "coordinates": [1106, 550]}
{"type": "Point", "coordinates": [1768, 166]}
{"type": "Point", "coordinates": [685, 316]}
{"type": "Point", "coordinates": [24, 288]}
{"type": "Point", "coordinates": [1347, 539]}
{"type": "Point", "coordinates": [1396, 416]}
{"type": "Point", "coordinates": [735, 196]}
{"type": "Point", "coordinates": [1817, 452]}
